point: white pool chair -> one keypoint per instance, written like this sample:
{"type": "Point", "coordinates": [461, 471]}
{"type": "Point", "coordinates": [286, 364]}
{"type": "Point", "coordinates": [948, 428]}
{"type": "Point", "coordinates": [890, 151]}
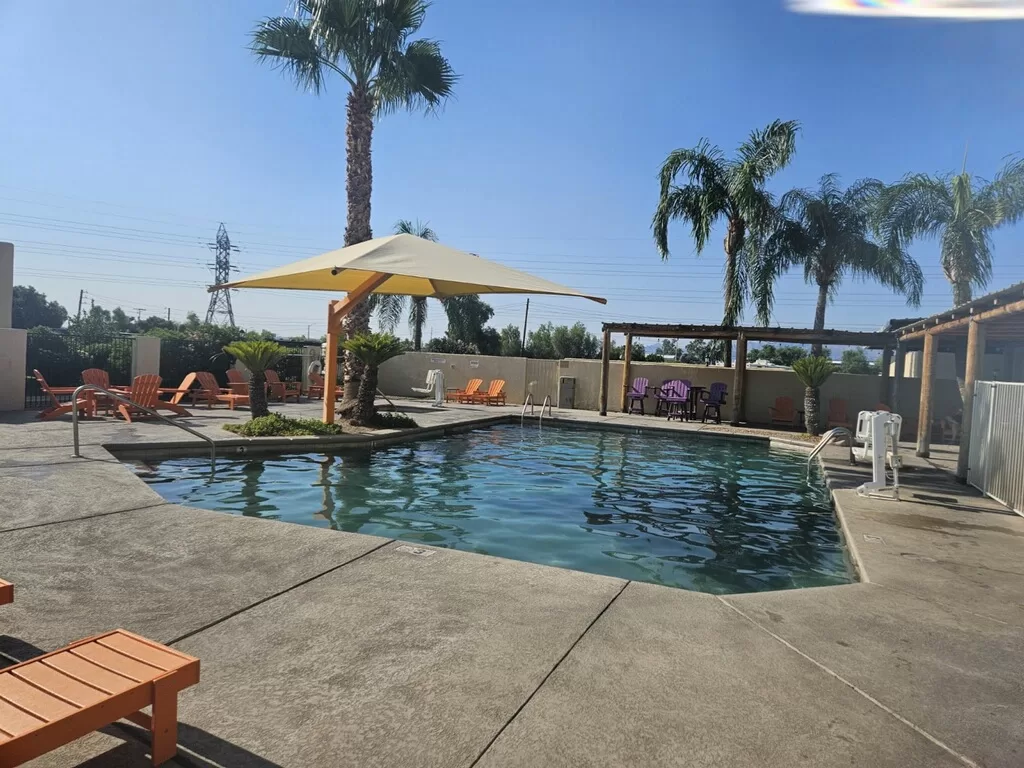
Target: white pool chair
{"type": "Point", "coordinates": [435, 385]}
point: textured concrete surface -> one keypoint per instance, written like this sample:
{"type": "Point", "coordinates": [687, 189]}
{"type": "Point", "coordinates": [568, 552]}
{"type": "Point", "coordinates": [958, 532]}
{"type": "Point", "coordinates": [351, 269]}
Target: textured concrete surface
{"type": "Point", "coordinates": [161, 572]}
{"type": "Point", "coordinates": [397, 659]}
{"type": "Point", "coordinates": [953, 674]}
{"type": "Point", "coordinates": [667, 677]}
{"type": "Point", "coordinates": [321, 648]}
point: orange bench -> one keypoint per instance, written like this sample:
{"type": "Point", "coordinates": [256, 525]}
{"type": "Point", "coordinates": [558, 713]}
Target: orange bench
{"type": "Point", "coordinates": [54, 699]}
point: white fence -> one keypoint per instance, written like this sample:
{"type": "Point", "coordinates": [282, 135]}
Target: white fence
{"type": "Point", "coordinates": [997, 442]}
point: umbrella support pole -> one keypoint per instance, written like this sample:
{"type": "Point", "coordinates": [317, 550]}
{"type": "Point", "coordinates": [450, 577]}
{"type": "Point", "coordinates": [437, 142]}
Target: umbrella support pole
{"type": "Point", "coordinates": [336, 311]}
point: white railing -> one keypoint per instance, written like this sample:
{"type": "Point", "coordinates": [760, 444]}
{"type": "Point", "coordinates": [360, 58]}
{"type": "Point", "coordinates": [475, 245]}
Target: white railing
{"type": "Point", "coordinates": [997, 442]}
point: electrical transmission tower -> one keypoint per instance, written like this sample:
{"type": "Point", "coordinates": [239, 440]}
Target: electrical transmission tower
{"type": "Point", "coordinates": [220, 299]}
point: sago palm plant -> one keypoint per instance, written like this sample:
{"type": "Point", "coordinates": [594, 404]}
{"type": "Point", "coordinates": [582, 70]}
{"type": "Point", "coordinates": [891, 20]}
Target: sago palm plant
{"type": "Point", "coordinates": [372, 350]}
{"type": "Point", "coordinates": [257, 357]}
{"type": "Point", "coordinates": [813, 372]}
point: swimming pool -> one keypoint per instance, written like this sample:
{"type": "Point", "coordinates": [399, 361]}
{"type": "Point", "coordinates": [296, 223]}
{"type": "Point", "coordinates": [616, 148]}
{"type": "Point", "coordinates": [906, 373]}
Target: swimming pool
{"type": "Point", "coordinates": [699, 513]}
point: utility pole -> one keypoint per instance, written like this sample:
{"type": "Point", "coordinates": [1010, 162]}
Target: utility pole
{"type": "Point", "coordinates": [220, 299]}
{"type": "Point", "coordinates": [81, 295]}
{"type": "Point", "coordinates": [308, 327]}
{"type": "Point", "coordinates": [168, 314]}
{"type": "Point", "coordinates": [522, 341]}
{"type": "Point", "coordinates": [138, 313]}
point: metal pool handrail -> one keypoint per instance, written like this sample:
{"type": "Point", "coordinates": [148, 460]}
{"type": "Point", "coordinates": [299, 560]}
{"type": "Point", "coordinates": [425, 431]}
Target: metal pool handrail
{"type": "Point", "coordinates": [828, 437]}
{"type": "Point", "coordinates": [529, 403]}
{"type": "Point", "coordinates": [127, 401]}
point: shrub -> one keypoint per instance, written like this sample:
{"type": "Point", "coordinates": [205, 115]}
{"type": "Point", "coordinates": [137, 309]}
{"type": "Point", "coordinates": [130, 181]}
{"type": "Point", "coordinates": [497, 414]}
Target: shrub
{"type": "Point", "coordinates": [392, 421]}
{"type": "Point", "coordinates": [276, 425]}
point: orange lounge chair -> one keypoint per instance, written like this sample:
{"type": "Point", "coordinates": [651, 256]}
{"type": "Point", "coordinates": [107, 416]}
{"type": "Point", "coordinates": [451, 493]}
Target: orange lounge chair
{"type": "Point", "coordinates": [237, 383]}
{"type": "Point", "coordinates": [99, 378]}
{"type": "Point", "coordinates": [6, 592]}
{"type": "Point", "coordinates": [837, 416]}
{"type": "Point", "coordinates": [145, 392]}
{"type": "Point", "coordinates": [316, 387]}
{"type": "Point", "coordinates": [86, 403]}
{"type": "Point", "coordinates": [495, 394]}
{"type": "Point", "coordinates": [62, 696]}
{"type": "Point", "coordinates": [282, 390]}
{"type": "Point", "coordinates": [210, 391]}
{"type": "Point", "coordinates": [783, 412]}
{"type": "Point", "coordinates": [468, 394]}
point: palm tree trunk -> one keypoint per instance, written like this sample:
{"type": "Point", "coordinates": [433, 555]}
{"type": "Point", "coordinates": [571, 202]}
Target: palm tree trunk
{"type": "Point", "coordinates": [812, 416]}
{"type": "Point", "coordinates": [961, 292]}
{"type": "Point", "coordinates": [358, 187]}
{"type": "Point", "coordinates": [819, 315]}
{"type": "Point", "coordinates": [363, 413]}
{"type": "Point", "coordinates": [418, 313]}
{"type": "Point", "coordinates": [258, 394]}
{"type": "Point", "coordinates": [733, 289]}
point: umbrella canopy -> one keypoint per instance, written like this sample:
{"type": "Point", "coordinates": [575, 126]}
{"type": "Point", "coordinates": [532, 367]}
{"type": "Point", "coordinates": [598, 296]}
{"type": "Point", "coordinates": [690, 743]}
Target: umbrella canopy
{"type": "Point", "coordinates": [416, 267]}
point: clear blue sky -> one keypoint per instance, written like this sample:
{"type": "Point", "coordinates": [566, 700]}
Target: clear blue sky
{"type": "Point", "coordinates": [128, 133]}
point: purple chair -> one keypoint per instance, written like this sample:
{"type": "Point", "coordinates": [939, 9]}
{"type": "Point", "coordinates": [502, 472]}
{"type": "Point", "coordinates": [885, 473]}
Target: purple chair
{"type": "Point", "coordinates": [678, 400]}
{"type": "Point", "coordinates": [666, 390]}
{"type": "Point", "coordinates": [714, 399]}
{"type": "Point", "coordinates": [637, 395]}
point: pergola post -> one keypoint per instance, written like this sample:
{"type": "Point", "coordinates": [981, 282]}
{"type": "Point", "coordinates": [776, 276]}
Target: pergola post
{"type": "Point", "coordinates": [924, 414]}
{"type": "Point", "coordinates": [975, 362]}
{"type": "Point", "coordinates": [627, 364]}
{"type": "Point", "coordinates": [738, 379]}
{"type": "Point", "coordinates": [605, 357]}
{"type": "Point", "coordinates": [884, 395]}
{"type": "Point", "coordinates": [336, 310]}
{"type": "Point", "coordinates": [901, 362]}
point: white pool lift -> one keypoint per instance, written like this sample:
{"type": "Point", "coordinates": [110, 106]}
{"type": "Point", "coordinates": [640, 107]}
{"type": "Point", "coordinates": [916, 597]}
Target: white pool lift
{"type": "Point", "coordinates": [435, 385]}
{"type": "Point", "coordinates": [879, 431]}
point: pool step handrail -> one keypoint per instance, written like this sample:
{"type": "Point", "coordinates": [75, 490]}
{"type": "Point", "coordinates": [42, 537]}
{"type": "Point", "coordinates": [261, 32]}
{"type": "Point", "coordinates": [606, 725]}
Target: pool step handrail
{"type": "Point", "coordinates": [832, 434]}
{"type": "Point", "coordinates": [529, 404]}
{"type": "Point", "coordinates": [127, 401]}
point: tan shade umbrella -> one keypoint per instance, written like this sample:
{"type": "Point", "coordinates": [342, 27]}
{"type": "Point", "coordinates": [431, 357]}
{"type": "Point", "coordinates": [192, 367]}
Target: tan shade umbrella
{"type": "Point", "coordinates": [405, 265]}
{"type": "Point", "coordinates": [416, 267]}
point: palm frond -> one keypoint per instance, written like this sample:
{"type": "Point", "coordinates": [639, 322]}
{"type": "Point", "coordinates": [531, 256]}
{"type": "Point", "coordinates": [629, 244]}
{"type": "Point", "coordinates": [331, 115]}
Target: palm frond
{"type": "Point", "coordinates": [374, 349]}
{"type": "Point", "coordinates": [768, 150]}
{"type": "Point", "coordinates": [1006, 193]}
{"type": "Point", "coordinates": [788, 245]}
{"type": "Point", "coordinates": [703, 165]}
{"type": "Point", "coordinates": [289, 44]}
{"type": "Point", "coordinates": [919, 205]}
{"type": "Point", "coordinates": [813, 371]}
{"type": "Point", "coordinates": [388, 309]}
{"type": "Point", "coordinates": [418, 77]}
{"type": "Point", "coordinates": [407, 227]}
{"type": "Point", "coordinates": [693, 204]}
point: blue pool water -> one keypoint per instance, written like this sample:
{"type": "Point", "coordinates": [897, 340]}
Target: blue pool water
{"type": "Point", "coordinates": [702, 514]}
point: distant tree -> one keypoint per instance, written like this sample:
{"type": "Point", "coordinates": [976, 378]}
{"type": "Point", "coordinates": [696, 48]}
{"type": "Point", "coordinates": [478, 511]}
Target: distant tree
{"type": "Point", "coordinates": [826, 232]}
{"type": "Point", "coordinates": [855, 361]}
{"type": "Point", "coordinates": [389, 309]}
{"type": "Point", "coordinates": [511, 341]}
{"type": "Point", "coordinates": [669, 349]}
{"type": "Point", "coordinates": [962, 211]}
{"type": "Point", "coordinates": [786, 355]}
{"type": "Point", "coordinates": [638, 354]}
{"type": "Point", "coordinates": [699, 352]}
{"type": "Point", "coordinates": [192, 320]}
{"type": "Point", "coordinates": [154, 322]}
{"type": "Point", "coordinates": [467, 319]}
{"type": "Point", "coordinates": [449, 346]}
{"type": "Point", "coordinates": [32, 310]}
{"type": "Point", "coordinates": [733, 189]}
{"type": "Point", "coordinates": [120, 320]}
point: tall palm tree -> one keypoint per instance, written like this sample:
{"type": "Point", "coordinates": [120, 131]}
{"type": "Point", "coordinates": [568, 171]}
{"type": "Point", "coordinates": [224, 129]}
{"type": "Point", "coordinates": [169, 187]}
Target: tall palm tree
{"type": "Point", "coordinates": [390, 309]}
{"type": "Point", "coordinates": [730, 189]}
{"type": "Point", "coordinates": [366, 43]}
{"type": "Point", "coordinates": [826, 231]}
{"type": "Point", "coordinates": [960, 210]}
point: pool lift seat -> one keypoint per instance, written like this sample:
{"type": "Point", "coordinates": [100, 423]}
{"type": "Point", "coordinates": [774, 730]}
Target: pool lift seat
{"type": "Point", "coordinates": [435, 385]}
{"type": "Point", "coordinates": [879, 431]}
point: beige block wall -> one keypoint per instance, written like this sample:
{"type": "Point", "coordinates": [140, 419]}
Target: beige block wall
{"type": "Point", "coordinates": [146, 356]}
{"type": "Point", "coordinates": [6, 284]}
{"type": "Point", "coordinates": [13, 348]}
{"type": "Point", "coordinates": [862, 393]}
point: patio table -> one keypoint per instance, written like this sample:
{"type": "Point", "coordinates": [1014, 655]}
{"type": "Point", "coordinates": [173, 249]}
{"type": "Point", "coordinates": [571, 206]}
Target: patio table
{"type": "Point", "coordinates": [695, 393]}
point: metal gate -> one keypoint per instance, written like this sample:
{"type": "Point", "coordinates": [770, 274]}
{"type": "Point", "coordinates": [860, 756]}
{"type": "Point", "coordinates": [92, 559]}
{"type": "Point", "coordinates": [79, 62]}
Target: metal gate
{"type": "Point", "coordinates": [997, 442]}
{"type": "Point", "coordinates": [61, 357]}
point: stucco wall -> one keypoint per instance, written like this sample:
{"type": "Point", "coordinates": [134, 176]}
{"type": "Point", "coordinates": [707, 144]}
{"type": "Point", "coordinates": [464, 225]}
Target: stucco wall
{"type": "Point", "coordinates": [146, 357]}
{"type": "Point", "coordinates": [12, 368]}
{"type": "Point", "coordinates": [399, 375]}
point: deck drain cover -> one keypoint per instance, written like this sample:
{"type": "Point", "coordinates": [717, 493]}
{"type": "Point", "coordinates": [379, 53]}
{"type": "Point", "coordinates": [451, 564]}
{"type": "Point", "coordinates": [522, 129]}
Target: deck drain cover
{"type": "Point", "coordinates": [415, 550]}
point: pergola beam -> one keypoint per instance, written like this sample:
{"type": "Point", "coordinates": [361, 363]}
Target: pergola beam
{"type": "Point", "coordinates": [753, 333]}
{"type": "Point", "coordinates": [959, 319]}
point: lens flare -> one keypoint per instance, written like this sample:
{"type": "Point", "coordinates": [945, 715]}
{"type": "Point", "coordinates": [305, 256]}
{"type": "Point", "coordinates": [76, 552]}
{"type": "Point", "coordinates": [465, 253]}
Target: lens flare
{"type": "Point", "coordinates": [923, 9]}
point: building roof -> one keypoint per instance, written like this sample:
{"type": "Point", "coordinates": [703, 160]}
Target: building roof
{"type": "Point", "coordinates": [1001, 311]}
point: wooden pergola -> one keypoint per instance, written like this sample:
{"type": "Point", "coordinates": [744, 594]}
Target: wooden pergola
{"type": "Point", "coordinates": [994, 322]}
{"type": "Point", "coordinates": [884, 340]}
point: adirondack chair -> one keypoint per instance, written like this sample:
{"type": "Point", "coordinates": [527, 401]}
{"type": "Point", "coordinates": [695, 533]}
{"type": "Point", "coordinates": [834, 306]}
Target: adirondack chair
{"type": "Point", "coordinates": [100, 378]}
{"type": "Point", "coordinates": [714, 399]}
{"type": "Point", "coordinates": [58, 697]}
{"type": "Point", "coordinates": [783, 412]}
{"type": "Point", "coordinates": [6, 592]}
{"type": "Point", "coordinates": [145, 392]}
{"type": "Point", "coordinates": [210, 391]}
{"type": "Point", "coordinates": [495, 394]}
{"type": "Point", "coordinates": [678, 400]}
{"type": "Point", "coordinates": [837, 416]}
{"type": "Point", "coordinates": [466, 395]}
{"type": "Point", "coordinates": [282, 390]}
{"type": "Point", "coordinates": [86, 403]}
{"type": "Point", "coordinates": [666, 389]}
{"type": "Point", "coordinates": [237, 383]}
{"type": "Point", "coordinates": [316, 387]}
{"type": "Point", "coordinates": [636, 394]}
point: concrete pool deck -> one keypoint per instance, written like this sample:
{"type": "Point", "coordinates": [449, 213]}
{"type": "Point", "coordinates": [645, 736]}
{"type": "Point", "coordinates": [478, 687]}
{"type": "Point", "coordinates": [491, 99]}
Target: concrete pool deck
{"type": "Point", "coordinates": [321, 648]}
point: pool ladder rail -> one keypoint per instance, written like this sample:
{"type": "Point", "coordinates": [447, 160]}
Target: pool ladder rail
{"type": "Point", "coordinates": [127, 401]}
{"type": "Point", "coordinates": [529, 404]}
{"type": "Point", "coordinates": [828, 437]}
